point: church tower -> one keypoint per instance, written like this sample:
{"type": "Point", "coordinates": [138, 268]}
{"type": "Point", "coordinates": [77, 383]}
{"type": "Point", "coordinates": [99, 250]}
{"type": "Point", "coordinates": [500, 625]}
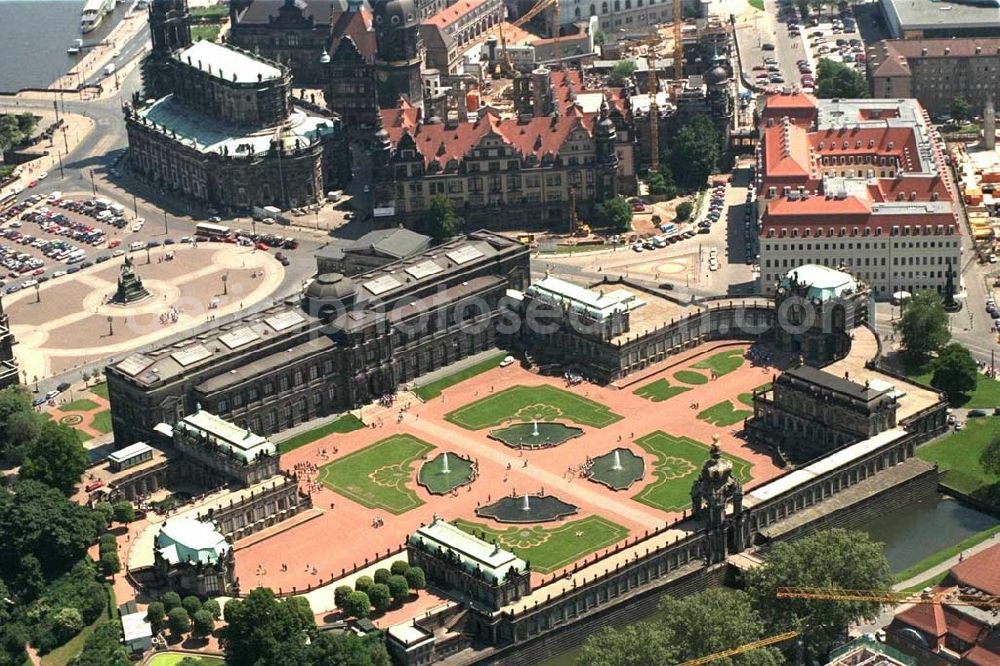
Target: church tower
{"type": "Point", "coordinates": [170, 30]}
{"type": "Point", "coordinates": [399, 53]}
{"type": "Point", "coordinates": [712, 492]}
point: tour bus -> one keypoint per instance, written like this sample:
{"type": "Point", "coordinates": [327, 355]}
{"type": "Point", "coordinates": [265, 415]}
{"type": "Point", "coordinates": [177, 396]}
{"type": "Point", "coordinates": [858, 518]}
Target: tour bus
{"type": "Point", "coordinates": [117, 209]}
{"type": "Point", "coordinates": [212, 231]}
{"type": "Point", "coordinates": [102, 204]}
{"type": "Point", "coordinates": [75, 256]}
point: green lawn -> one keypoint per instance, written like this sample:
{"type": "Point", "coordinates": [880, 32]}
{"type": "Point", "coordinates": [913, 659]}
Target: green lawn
{"type": "Point", "coordinates": [929, 582]}
{"type": "Point", "coordinates": [945, 554]}
{"type": "Point", "coordinates": [678, 460]}
{"type": "Point", "coordinates": [434, 389]}
{"type": "Point", "coordinates": [102, 421]}
{"type": "Point", "coordinates": [346, 423]}
{"type": "Point", "coordinates": [757, 4]}
{"type": "Point", "coordinates": [210, 11]}
{"type": "Point", "coordinates": [747, 398]}
{"type": "Point", "coordinates": [79, 405]}
{"type": "Point", "coordinates": [690, 377]}
{"type": "Point", "coordinates": [986, 395]}
{"type": "Point", "coordinates": [525, 403]}
{"type": "Point", "coordinates": [174, 658]}
{"type": "Point", "coordinates": [722, 363]}
{"type": "Point", "coordinates": [958, 456]}
{"type": "Point", "coordinates": [723, 414]}
{"type": "Point", "coordinates": [100, 389]}
{"type": "Point", "coordinates": [549, 549]}
{"type": "Point", "coordinates": [206, 31]}
{"type": "Point", "coordinates": [659, 390]}
{"type": "Point", "coordinates": [378, 476]}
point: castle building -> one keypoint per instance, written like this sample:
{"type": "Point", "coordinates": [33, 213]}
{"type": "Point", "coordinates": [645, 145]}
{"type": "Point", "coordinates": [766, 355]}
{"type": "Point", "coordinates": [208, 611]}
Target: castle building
{"type": "Point", "coordinates": [350, 341]}
{"type": "Point", "coordinates": [859, 184]}
{"type": "Point", "coordinates": [9, 373]}
{"type": "Point", "coordinates": [372, 250]}
{"type": "Point", "coordinates": [399, 53]}
{"type": "Point", "coordinates": [448, 33]}
{"type": "Point", "coordinates": [717, 500]}
{"type": "Point", "coordinates": [193, 557]}
{"type": "Point", "coordinates": [538, 169]}
{"type": "Point", "coordinates": [218, 125]}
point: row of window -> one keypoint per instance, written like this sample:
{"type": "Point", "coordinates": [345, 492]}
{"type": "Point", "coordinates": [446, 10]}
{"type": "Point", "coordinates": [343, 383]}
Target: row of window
{"type": "Point", "coordinates": [912, 245]}
{"type": "Point", "coordinates": [856, 261]}
{"type": "Point", "coordinates": [896, 230]}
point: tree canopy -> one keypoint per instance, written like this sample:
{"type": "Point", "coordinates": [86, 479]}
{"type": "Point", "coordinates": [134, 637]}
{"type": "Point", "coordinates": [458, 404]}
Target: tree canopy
{"type": "Point", "coordinates": [103, 648]}
{"type": "Point", "coordinates": [615, 214]}
{"type": "Point", "coordinates": [15, 128]}
{"type": "Point", "coordinates": [990, 457]}
{"type": "Point", "coordinates": [348, 649]}
{"type": "Point", "coordinates": [440, 221]}
{"type": "Point", "coordinates": [961, 110]}
{"type": "Point", "coordinates": [923, 326]}
{"type": "Point", "coordinates": [831, 559]}
{"type": "Point", "coordinates": [835, 79]}
{"type": "Point", "coordinates": [621, 71]}
{"type": "Point", "coordinates": [695, 152]}
{"type": "Point", "coordinates": [701, 624]}
{"type": "Point", "coordinates": [55, 457]}
{"type": "Point", "coordinates": [955, 371]}
{"type": "Point", "coordinates": [262, 630]}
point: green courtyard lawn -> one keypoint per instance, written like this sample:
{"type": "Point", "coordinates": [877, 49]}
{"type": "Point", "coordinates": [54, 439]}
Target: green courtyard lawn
{"type": "Point", "coordinates": [957, 455]}
{"type": "Point", "coordinates": [434, 389]}
{"type": "Point", "coordinates": [526, 403]}
{"type": "Point", "coordinates": [79, 405]}
{"type": "Point", "coordinates": [100, 390]}
{"type": "Point", "coordinates": [986, 395]}
{"type": "Point", "coordinates": [378, 476]}
{"type": "Point", "coordinates": [690, 377]}
{"type": "Point", "coordinates": [724, 414]}
{"type": "Point", "coordinates": [722, 363]}
{"type": "Point", "coordinates": [345, 423]}
{"type": "Point", "coordinates": [747, 398]}
{"type": "Point", "coordinates": [210, 11]}
{"type": "Point", "coordinates": [207, 31]}
{"type": "Point", "coordinates": [102, 421]}
{"type": "Point", "coordinates": [678, 460]}
{"type": "Point", "coordinates": [757, 4]}
{"type": "Point", "coordinates": [174, 658]}
{"type": "Point", "coordinates": [548, 549]}
{"type": "Point", "coordinates": [659, 390]}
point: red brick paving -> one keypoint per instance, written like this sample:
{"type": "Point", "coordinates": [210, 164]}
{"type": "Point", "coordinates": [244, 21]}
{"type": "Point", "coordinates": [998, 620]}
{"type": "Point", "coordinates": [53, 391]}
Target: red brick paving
{"type": "Point", "coordinates": [344, 537]}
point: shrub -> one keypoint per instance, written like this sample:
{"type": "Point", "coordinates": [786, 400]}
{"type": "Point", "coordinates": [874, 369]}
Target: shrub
{"type": "Point", "coordinates": [382, 576]}
{"type": "Point", "coordinates": [684, 210]}
{"type": "Point", "coordinates": [340, 596]}
{"type": "Point", "coordinates": [380, 596]}
{"type": "Point", "coordinates": [170, 600]}
{"type": "Point", "coordinates": [110, 564]}
{"type": "Point", "coordinates": [415, 578]}
{"type": "Point", "coordinates": [66, 624]}
{"type": "Point", "coordinates": [399, 588]}
{"type": "Point", "coordinates": [124, 511]}
{"type": "Point", "coordinates": [179, 621]}
{"type": "Point", "coordinates": [358, 605]}
{"type": "Point", "coordinates": [204, 623]}
{"type": "Point", "coordinates": [363, 583]}
{"type": "Point", "coordinates": [213, 607]}
{"type": "Point", "coordinates": [399, 568]}
{"type": "Point", "coordinates": [191, 604]}
{"type": "Point", "coordinates": [155, 614]}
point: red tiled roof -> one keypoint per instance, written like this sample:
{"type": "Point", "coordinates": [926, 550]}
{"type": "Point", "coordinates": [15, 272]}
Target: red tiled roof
{"type": "Point", "coordinates": [449, 15]}
{"type": "Point", "coordinates": [800, 107]}
{"type": "Point", "coordinates": [928, 618]}
{"type": "Point", "coordinates": [441, 143]}
{"type": "Point", "coordinates": [981, 571]}
{"type": "Point", "coordinates": [981, 655]}
{"type": "Point", "coordinates": [357, 26]}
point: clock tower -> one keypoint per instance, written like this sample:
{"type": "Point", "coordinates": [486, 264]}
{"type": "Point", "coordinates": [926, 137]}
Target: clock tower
{"type": "Point", "coordinates": [399, 53]}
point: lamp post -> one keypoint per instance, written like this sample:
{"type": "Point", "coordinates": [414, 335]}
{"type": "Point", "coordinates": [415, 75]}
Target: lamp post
{"type": "Point", "coordinates": [38, 293]}
{"type": "Point", "coordinates": [225, 284]}
{"type": "Point", "coordinates": [111, 326]}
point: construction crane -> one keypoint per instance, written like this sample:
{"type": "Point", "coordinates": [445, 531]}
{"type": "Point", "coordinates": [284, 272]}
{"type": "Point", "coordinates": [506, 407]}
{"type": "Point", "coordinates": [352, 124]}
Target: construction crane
{"type": "Point", "coordinates": [678, 45]}
{"type": "Point", "coordinates": [764, 642]}
{"type": "Point", "coordinates": [653, 87]}
{"type": "Point", "coordinates": [887, 597]}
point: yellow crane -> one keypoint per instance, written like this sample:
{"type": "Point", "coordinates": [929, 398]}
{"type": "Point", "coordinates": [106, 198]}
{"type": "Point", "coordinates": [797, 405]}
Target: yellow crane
{"type": "Point", "coordinates": [678, 45]}
{"type": "Point", "coordinates": [887, 597]}
{"type": "Point", "coordinates": [764, 642]}
{"type": "Point", "coordinates": [653, 87]}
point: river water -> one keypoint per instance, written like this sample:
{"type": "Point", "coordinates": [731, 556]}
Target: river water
{"type": "Point", "coordinates": [910, 534]}
{"type": "Point", "coordinates": [35, 36]}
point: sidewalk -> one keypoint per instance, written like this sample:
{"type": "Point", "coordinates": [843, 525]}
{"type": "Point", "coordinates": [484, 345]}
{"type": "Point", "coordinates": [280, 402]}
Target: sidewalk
{"type": "Point", "coordinates": [946, 565]}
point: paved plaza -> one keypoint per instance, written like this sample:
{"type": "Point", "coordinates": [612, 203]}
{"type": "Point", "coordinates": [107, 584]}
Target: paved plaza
{"type": "Point", "coordinates": [371, 512]}
{"type": "Point", "coordinates": [68, 322]}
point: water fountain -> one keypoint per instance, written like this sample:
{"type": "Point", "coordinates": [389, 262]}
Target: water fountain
{"type": "Point", "coordinates": [526, 503]}
{"type": "Point", "coordinates": [616, 465]}
{"type": "Point", "coordinates": [534, 428]}
{"type": "Point", "coordinates": [444, 465]}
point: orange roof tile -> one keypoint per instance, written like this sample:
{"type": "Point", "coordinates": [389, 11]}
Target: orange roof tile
{"type": "Point", "coordinates": [981, 571]}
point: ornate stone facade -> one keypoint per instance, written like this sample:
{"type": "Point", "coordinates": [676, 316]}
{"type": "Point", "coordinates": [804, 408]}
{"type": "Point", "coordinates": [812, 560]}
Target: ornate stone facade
{"type": "Point", "coordinates": [712, 493]}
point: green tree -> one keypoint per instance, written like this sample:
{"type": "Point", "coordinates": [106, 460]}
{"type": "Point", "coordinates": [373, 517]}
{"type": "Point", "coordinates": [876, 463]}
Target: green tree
{"type": "Point", "coordinates": [990, 457]}
{"type": "Point", "coordinates": [106, 511]}
{"type": "Point", "coordinates": [191, 604]}
{"type": "Point", "coordinates": [955, 372]}
{"type": "Point", "coordinates": [204, 624]}
{"type": "Point", "coordinates": [363, 583]}
{"type": "Point", "coordinates": [110, 564]}
{"type": "Point", "coordinates": [440, 221]}
{"type": "Point", "coordinates": [179, 621]}
{"type": "Point", "coordinates": [833, 559]}
{"type": "Point", "coordinates": [620, 73]}
{"type": "Point", "coordinates": [22, 429]}
{"type": "Point", "coordinates": [212, 606]}
{"type": "Point", "coordinates": [615, 214]}
{"type": "Point", "coordinates": [103, 647]}
{"type": "Point", "coordinates": [923, 326]}
{"type": "Point", "coordinates": [837, 80]}
{"type": "Point", "coordinates": [261, 630]}
{"type": "Point", "coordinates": [380, 597]}
{"type": "Point", "coordinates": [15, 402]}
{"type": "Point", "coordinates": [382, 575]}
{"type": "Point", "coordinates": [340, 595]}
{"type": "Point", "coordinates": [695, 152]}
{"type": "Point", "coordinates": [599, 37]}
{"type": "Point", "coordinates": [155, 614]}
{"type": "Point", "coordinates": [124, 511]}
{"type": "Point", "coordinates": [13, 638]}
{"type": "Point", "coordinates": [399, 568]}
{"type": "Point", "coordinates": [30, 579]}
{"type": "Point", "coordinates": [66, 623]}
{"type": "Point", "coordinates": [637, 644]}
{"type": "Point", "coordinates": [56, 458]}
{"type": "Point", "coordinates": [415, 578]}
{"type": "Point", "coordinates": [348, 649]}
{"type": "Point", "coordinates": [961, 110]}
{"type": "Point", "coordinates": [358, 605]}
{"type": "Point", "coordinates": [170, 600]}
{"type": "Point", "coordinates": [684, 210]}
{"type": "Point", "coordinates": [399, 588]}
{"type": "Point", "coordinates": [38, 520]}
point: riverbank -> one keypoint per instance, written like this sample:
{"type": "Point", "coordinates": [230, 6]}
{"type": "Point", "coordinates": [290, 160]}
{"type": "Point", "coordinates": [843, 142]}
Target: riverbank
{"type": "Point", "coordinates": [938, 564]}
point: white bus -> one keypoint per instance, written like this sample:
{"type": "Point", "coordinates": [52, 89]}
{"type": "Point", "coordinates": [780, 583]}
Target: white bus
{"type": "Point", "coordinates": [212, 231]}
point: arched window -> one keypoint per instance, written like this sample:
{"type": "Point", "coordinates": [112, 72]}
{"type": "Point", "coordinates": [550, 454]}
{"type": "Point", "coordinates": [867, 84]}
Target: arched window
{"type": "Point", "coordinates": [593, 10]}
{"type": "Point", "coordinates": [576, 12]}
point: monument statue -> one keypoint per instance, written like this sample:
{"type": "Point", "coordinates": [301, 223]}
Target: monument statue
{"type": "Point", "coordinates": [130, 289]}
